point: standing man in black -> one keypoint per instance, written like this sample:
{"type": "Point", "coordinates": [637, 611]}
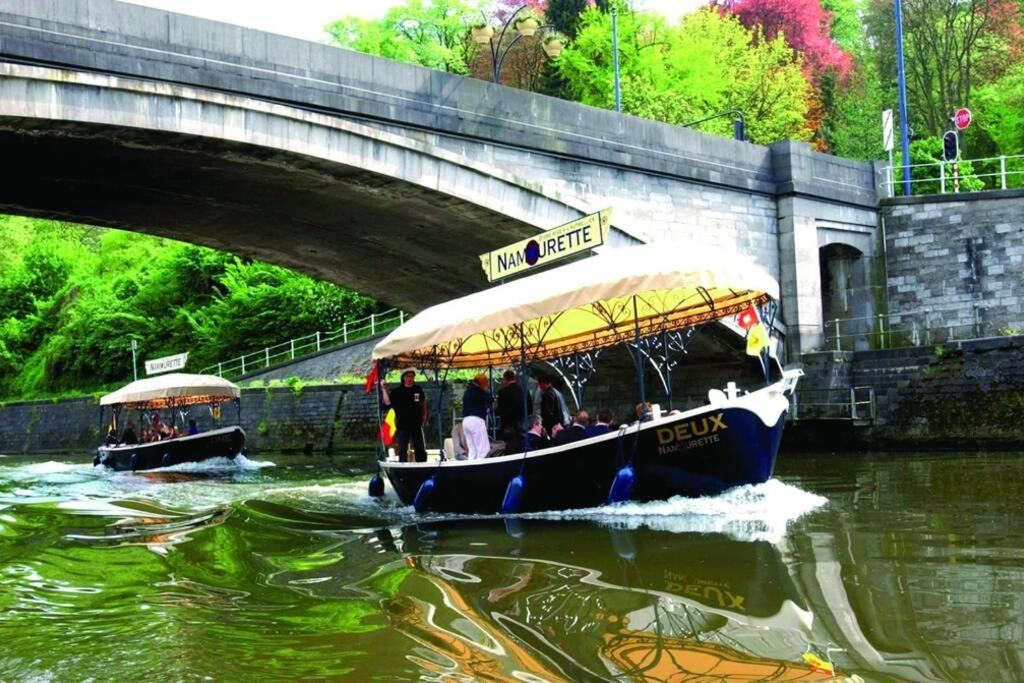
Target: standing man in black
{"type": "Point", "coordinates": [510, 403]}
{"type": "Point", "coordinates": [410, 404]}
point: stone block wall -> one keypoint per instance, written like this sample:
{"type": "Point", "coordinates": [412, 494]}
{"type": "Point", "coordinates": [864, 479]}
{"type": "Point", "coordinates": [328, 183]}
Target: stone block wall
{"type": "Point", "coordinates": [955, 263]}
{"type": "Point", "coordinates": [961, 395]}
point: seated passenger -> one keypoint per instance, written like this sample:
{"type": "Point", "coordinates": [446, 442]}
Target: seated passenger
{"type": "Point", "coordinates": [576, 431]}
{"type": "Point", "coordinates": [129, 437]}
{"type": "Point", "coordinates": [535, 437]}
{"type": "Point", "coordinates": [192, 428]}
{"type": "Point", "coordinates": [157, 428]}
{"type": "Point", "coordinates": [604, 423]}
{"type": "Point", "coordinates": [111, 438]}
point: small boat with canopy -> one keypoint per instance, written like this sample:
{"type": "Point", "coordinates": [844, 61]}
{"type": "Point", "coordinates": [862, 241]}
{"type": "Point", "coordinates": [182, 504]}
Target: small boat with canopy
{"type": "Point", "coordinates": [177, 393]}
{"type": "Point", "coordinates": [649, 298]}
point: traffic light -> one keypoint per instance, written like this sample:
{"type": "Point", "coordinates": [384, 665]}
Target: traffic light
{"type": "Point", "coordinates": [950, 146]}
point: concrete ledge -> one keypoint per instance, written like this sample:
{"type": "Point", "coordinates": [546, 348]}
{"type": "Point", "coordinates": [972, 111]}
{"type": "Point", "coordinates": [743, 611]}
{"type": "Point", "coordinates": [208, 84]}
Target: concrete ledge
{"type": "Point", "coordinates": [959, 197]}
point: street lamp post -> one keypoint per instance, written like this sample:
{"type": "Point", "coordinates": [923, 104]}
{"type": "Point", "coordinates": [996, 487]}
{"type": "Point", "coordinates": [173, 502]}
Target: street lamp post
{"type": "Point", "coordinates": [615, 56]}
{"type": "Point", "coordinates": [524, 28]}
{"type": "Point", "coordinates": [739, 122]}
{"type": "Point", "coordinates": [135, 367]}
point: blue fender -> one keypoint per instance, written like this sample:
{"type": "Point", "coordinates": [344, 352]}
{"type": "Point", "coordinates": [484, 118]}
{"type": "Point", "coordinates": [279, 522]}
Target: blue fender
{"type": "Point", "coordinates": [422, 500]}
{"type": "Point", "coordinates": [166, 461]}
{"type": "Point", "coordinates": [376, 486]}
{"type": "Point", "coordinates": [622, 487]}
{"type": "Point", "coordinates": [513, 495]}
{"type": "Point", "coordinates": [135, 461]}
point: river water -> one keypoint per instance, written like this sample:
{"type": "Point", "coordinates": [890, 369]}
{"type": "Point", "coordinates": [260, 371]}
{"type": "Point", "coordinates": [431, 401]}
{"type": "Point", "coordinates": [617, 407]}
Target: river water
{"type": "Point", "coordinates": [906, 567]}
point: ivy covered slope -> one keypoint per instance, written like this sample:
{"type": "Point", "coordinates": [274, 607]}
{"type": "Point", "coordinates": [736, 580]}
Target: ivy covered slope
{"type": "Point", "coordinates": [73, 297]}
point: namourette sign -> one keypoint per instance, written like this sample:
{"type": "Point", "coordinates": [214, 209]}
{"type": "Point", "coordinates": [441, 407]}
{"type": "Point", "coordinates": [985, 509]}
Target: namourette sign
{"type": "Point", "coordinates": [166, 364]}
{"type": "Point", "coordinates": [565, 240]}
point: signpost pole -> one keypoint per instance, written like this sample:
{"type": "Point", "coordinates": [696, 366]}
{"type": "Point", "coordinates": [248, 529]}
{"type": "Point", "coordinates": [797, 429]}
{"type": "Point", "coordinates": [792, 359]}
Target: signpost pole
{"type": "Point", "coordinates": [887, 143]}
{"type": "Point", "coordinates": [902, 82]}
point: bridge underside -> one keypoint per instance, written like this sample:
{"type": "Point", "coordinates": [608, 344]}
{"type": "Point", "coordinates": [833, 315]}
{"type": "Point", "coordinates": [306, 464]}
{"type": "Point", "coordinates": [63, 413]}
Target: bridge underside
{"type": "Point", "coordinates": [381, 236]}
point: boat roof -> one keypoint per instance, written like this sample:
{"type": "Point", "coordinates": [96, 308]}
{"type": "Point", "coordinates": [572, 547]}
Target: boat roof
{"type": "Point", "coordinates": [156, 392]}
{"type": "Point", "coordinates": [586, 305]}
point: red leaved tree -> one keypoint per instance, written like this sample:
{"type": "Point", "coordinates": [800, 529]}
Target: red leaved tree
{"type": "Point", "coordinates": [805, 26]}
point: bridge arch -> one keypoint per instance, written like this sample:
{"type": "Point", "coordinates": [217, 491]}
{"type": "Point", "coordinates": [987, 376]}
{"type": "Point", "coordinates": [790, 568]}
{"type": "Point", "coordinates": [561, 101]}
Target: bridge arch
{"type": "Point", "coordinates": [384, 213]}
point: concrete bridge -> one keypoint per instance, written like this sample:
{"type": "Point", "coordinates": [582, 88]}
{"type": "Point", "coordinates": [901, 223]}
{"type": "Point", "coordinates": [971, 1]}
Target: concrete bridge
{"type": "Point", "coordinates": [385, 177]}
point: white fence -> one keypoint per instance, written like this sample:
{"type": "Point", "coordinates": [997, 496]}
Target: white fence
{"type": "Point", "coordinates": [311, 343]}
{"type": "Point", "coordinates": [1002, 172]}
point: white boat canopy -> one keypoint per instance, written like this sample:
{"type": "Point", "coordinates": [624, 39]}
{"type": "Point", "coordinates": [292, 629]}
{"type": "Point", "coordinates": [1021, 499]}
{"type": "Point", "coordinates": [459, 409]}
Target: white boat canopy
{"type": "Point", "coordinates": [177, 387]}
{"type": "Point", "coordinates": [589, 304]}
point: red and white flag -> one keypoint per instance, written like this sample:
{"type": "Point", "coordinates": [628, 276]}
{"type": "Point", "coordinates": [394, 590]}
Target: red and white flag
{"type": "Point", "coordinates": [748, 318]}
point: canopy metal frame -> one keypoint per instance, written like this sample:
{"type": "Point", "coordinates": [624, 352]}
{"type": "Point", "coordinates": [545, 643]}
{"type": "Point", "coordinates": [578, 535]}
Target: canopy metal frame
{"type": "Point", "coordinates": [576, 371]}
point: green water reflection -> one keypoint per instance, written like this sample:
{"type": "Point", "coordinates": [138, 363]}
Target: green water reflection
{"type": "Point", "coordinates": [913, 570]}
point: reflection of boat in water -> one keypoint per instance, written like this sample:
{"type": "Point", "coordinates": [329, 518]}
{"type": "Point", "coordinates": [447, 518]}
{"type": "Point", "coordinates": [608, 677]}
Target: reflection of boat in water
{"type": "Point", "coordinates": [547, 602]}
{"type": "Point", "coordinates": [648, 298]}
{"type": "Point", "coordinates": [172, 392]}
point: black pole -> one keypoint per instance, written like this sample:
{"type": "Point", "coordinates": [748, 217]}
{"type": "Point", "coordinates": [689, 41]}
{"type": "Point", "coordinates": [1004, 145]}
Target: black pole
{"type": "Point", "coordinates": [525, 386]}
{"type": "Point", "coordinates": [639, 360]}
{"type": "Point", "coordinates": [440, 417]}
{"type": "Point", "coordinates": [380, 437]}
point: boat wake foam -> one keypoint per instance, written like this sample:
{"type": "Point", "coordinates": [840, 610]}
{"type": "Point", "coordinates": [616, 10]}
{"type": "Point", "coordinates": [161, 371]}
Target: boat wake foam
{"type": "Point", "coordinates": [239, 462]}
{"type": "Point", "coordinates": [758, 512]}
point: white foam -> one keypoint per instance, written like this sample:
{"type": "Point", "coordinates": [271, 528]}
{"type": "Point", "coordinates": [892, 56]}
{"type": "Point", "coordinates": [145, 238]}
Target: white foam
{"type": "Point", "coordinates": [746, 513]}
{"type": "Point", "coordinates": [49, 467]}
{"type": "Point", "coordinates": [239, 462]}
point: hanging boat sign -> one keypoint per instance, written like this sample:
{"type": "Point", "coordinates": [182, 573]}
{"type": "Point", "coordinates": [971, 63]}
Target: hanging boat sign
{"type": "Point", "coordinates": [571, 238]}
{"type": "Point", "coordinates": [166, 364]}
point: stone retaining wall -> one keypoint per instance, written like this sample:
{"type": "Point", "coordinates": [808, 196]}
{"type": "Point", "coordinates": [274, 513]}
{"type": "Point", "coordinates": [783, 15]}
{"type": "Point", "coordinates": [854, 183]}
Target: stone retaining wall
{"type": "Point", "coordinates": [962, 395]}
{"type": "Point", "coordinates": [281, 419]}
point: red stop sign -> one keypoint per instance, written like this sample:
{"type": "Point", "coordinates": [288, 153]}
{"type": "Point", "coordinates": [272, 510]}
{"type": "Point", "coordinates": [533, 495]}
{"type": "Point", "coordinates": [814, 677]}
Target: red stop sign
{"type": "Point", "coordinates": [962, 118]}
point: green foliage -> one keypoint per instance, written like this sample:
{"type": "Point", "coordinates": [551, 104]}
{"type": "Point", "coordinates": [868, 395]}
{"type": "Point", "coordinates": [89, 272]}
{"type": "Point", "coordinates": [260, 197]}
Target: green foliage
{"type": "Point", "coordinates": [853, 126]}
{"type": "Point", "coordinates": [431, 33]}
{"type": "Point", "coordinates": [72, 298]}
{"type": "Point", "coordinates": [564, 15]}
{"type": "Point", "coordinates": [707, 64]}
{"type": "Point", "coordinates": [999, 111]}
{"type": "Point", "coordinates": [845, 26]}
{"type": "Point", "coordinates": [297, 385]}
{"type": "Point", "coordinates": [927, 179]}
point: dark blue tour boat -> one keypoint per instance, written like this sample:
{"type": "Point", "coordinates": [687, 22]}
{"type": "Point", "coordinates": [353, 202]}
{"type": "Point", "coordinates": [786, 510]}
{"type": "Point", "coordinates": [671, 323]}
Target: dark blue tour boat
{"type": "Point", "coordinates": [649, 298]}
{"type": "Point", "coordinates": [176, 393]}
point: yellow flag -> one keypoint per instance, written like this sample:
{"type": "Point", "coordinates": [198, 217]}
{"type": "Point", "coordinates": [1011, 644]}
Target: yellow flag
{"type": "Point", "coordinates": [757, 340]}
{"type": "Point", "coordinates": [818, 663]}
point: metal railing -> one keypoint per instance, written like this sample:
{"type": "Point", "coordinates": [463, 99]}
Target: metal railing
{"type": "Point", "coordinates": [1001, 172]}
{"type": "Point", "coordinates": [918, 328]}
{"type": "Point", "coordinates": [369, 326]}
{"type": "Point", "coordinates": [856, 404]}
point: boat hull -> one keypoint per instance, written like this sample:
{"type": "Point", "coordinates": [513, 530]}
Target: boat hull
{"type": "Point", "coordinates": [218, 443]}
{"type": "Point", "coordinates": [696, 453]}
